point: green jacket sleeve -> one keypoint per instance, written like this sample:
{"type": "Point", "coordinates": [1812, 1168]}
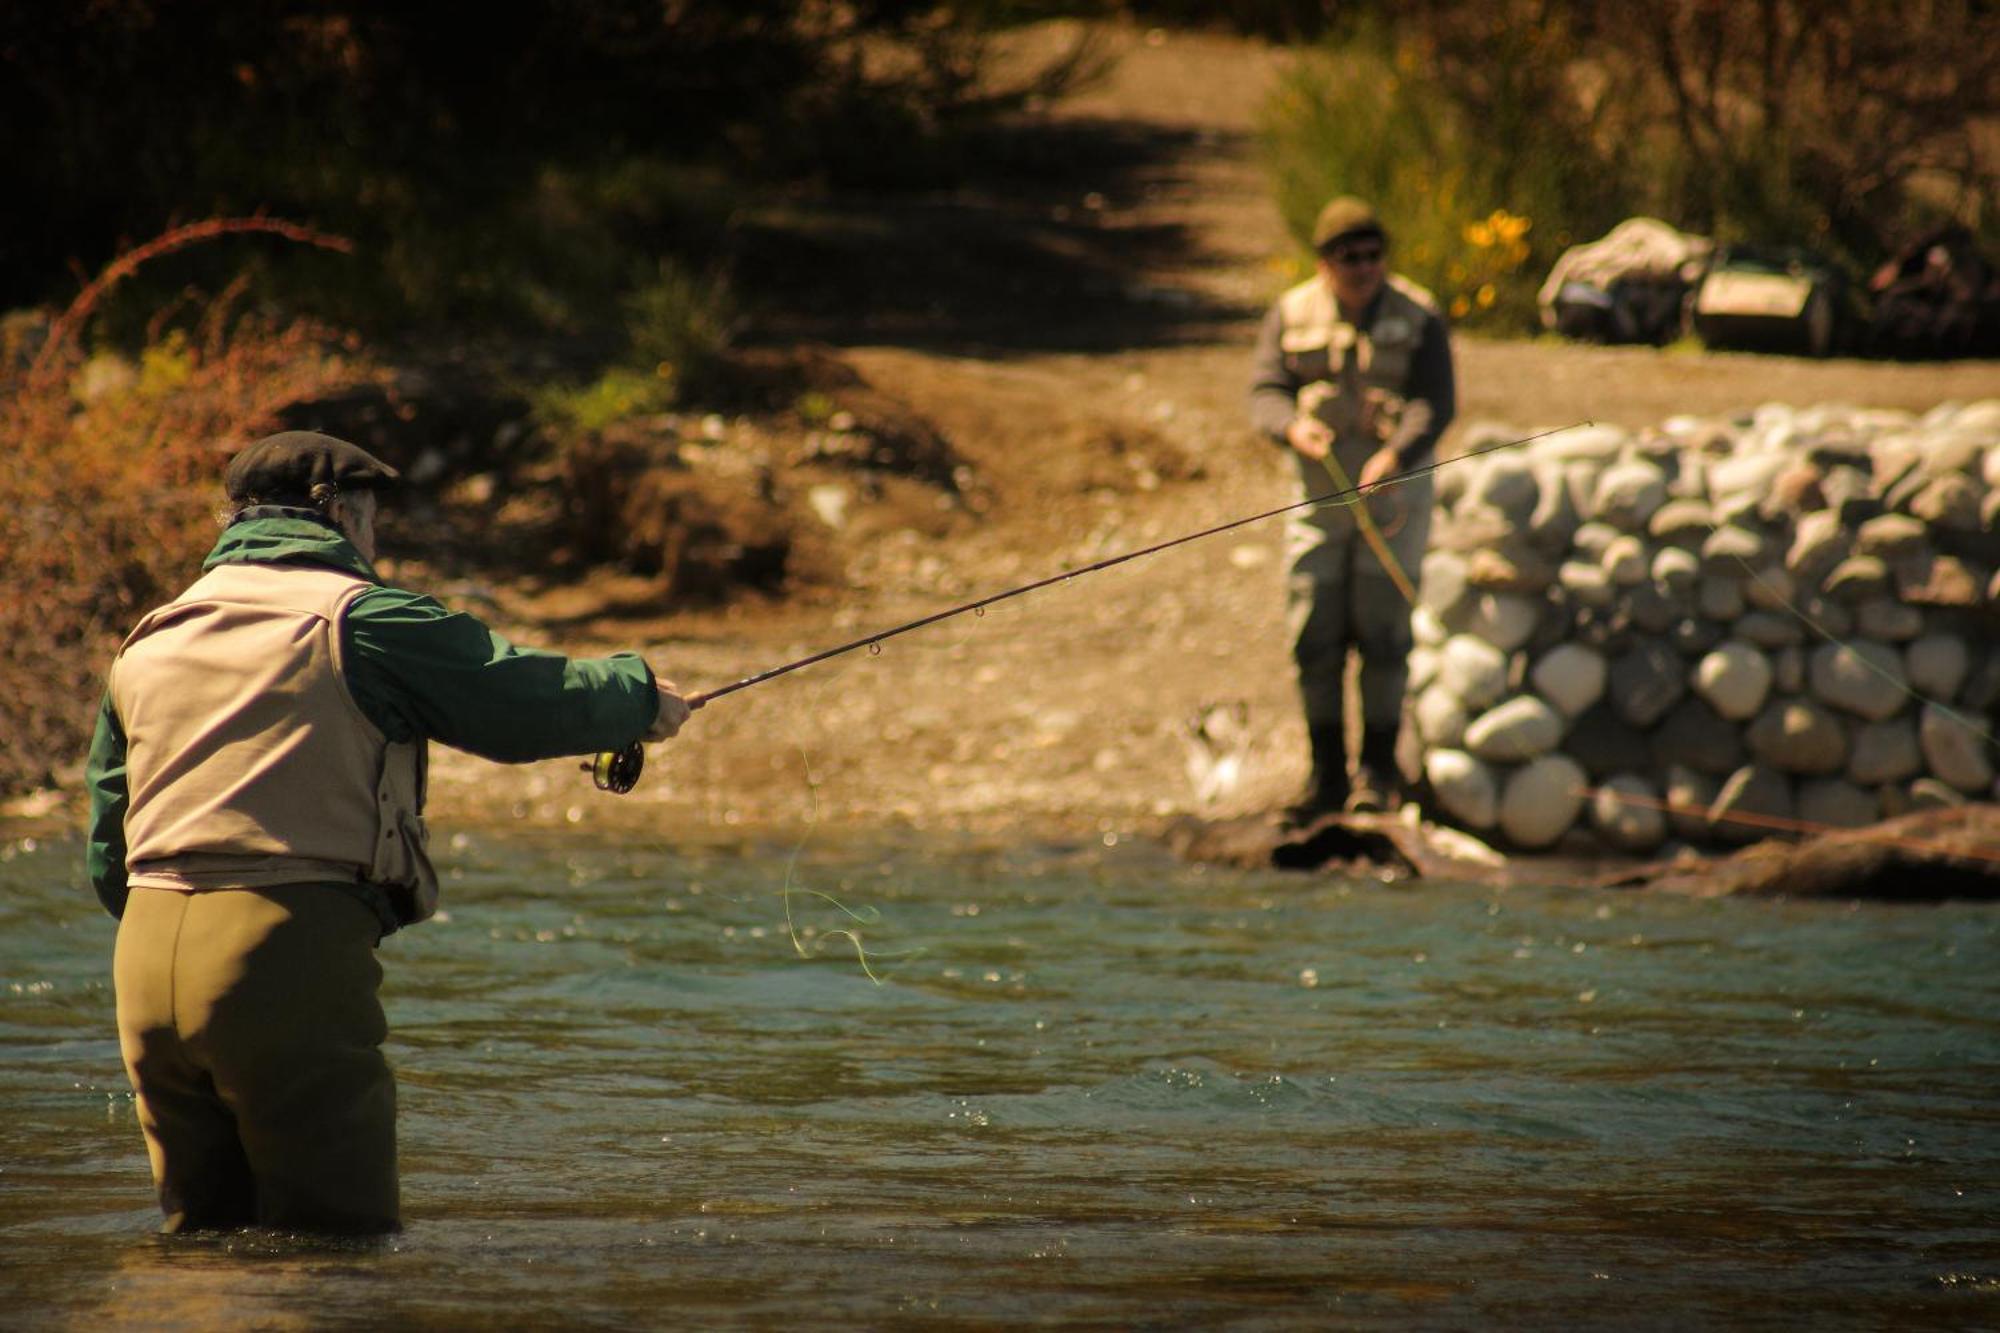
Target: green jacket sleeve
{"type": "Point", "coordinates": [1274, 392]}
{"type": "Point", "coordinates": [104, 776]}
{"type": "Point", "coordinates": [1432, 394]}
{"type": "Point", "coordinates": [420, 670]}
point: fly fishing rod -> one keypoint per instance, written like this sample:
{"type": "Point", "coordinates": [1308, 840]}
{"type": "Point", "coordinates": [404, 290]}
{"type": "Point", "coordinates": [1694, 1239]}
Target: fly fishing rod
{"type": "Point", "coordinates": [619, 770]}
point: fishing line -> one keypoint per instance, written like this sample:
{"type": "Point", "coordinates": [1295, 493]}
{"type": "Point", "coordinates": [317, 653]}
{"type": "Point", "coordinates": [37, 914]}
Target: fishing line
{"type": "Point", "coordinates": [864, 916]}
{"type": "Point", "coordinates": [1779, 823]}
{"type": "Point", "coordinates": [618, 771]}
{"type": "Point", "coordinates": [1816, 627]}
{"type": "Point", "coordinates": [1344, 496]}
{"type": "Point", "coordinates": [1370, 532]}
{"type": "Point", "coordinates": [809, 941]}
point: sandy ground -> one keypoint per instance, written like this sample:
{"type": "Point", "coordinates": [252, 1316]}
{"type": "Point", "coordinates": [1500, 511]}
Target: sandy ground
{"type": "Point", "coordinates": [1066, 713]}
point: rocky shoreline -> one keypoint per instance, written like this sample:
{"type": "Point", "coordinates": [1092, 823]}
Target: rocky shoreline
{"type": "Point", "coordinates": [1695, 634]}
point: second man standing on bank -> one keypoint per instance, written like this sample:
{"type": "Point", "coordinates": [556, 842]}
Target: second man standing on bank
{"type": "Point", "coordinates": [1353, 375]}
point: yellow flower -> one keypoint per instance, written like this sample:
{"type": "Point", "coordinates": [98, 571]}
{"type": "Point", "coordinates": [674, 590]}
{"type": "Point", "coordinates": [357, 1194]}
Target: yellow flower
{"type": "Point", "coordinates": [1508, 227]}
{"type": "Point", "coordinates": [1479, 233]}
{"type": "Point", "coordinates": [1487, 296]}
{"type": "Point", "coordinates": [1460, 307]}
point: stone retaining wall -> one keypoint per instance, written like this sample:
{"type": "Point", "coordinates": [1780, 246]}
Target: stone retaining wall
{"type": "Point", "coordinates": [1713, 627]}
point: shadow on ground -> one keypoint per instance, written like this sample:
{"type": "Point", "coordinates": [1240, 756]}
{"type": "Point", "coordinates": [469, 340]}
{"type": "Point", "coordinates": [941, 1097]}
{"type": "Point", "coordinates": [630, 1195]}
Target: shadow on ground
{"type": "Point", "coordinates": [1043, 246]}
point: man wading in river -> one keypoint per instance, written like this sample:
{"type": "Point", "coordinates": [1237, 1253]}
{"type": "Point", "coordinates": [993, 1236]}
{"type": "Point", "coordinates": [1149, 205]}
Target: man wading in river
{"type": "Point", "coordinates": [1353, 374]}
{"type": "Point", "coordinates": [257, 789]}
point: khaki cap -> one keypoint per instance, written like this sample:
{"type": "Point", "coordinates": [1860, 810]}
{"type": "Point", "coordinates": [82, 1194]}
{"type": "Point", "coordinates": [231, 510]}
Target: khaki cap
{"type": "Point", "coordinates": [1343, 217]}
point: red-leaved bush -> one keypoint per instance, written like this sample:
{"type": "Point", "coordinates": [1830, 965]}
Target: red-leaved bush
{"type": "Point", "coordinates": [109, 479]}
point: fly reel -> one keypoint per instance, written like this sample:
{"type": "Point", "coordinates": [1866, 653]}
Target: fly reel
{"type": "Point", "coordinates": [617, 771]}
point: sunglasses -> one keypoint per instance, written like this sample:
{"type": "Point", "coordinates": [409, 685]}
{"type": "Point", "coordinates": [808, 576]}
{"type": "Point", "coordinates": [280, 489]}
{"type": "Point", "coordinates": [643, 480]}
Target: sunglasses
{"type": "Point", "coordinates": [1356, 258]}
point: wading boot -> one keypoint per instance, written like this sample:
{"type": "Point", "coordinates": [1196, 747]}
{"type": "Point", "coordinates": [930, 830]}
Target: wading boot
{"type": "Point", "coordinates": [1327, 790]}
{"type": "Point", "coordinates": [1377, 783]}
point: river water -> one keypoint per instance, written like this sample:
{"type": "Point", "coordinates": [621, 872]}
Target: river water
{"type": "Point", "coordinates": [1093, 1087]}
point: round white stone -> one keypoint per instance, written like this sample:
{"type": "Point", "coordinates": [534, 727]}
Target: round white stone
{"type": "Point", "coordinates": [1521, 728]}
{"type": "Point", "coordinates": [1587, 584]}
{"type": "Point", "coordinates": [1464, 786]}
{"type": "Point", "coordinates": [1837, 803]}
{"type": "Point", "coordinates": [1507, 483]}
{"type": "Point", "coordinates": [1441, 582]}
{"type": "Point", "coordinates": [1954, 749]}
{"type": "Point", "coordinates": [1570, 676]}
{"type": "Point", "coordinates": [1735, 679]}
{"type": "Point", "coordinates": [1860, 677]}
{"type": "Point", "coordinates": [1884, 751]}
{"type": "Point", "coordinates": [1689, 795]}
{"type": "Point", "coordinates": [1474, 670]}
{"type": "Point", "coordinates": [1625, 812]}
{"type": "Point", "coordinates": [1585, 442]}
{"type": "Point", "coordinates": [1676, 570]}
{"type": "Point", "coordinates": [1423, 663]}
{"type": "Point", "coordinates": [1541, 800]}
{"type": "Point", "coordinates": [1937, 665]}
{"type": "Point", "coordinates": [1505, 620]}
{"type": "Point", "coordinates": [1426, 628]}
{"type": "Point", "coordinates": [1628, 492]}
{"type": "Point", "coordinates": [1626, 560]}
{"type": "Point", "coordinates": [1441, 718]}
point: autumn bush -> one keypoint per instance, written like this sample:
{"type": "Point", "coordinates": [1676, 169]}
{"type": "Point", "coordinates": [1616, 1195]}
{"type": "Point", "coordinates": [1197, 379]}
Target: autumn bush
{"type": "Point", "coordinates": [109, 464]}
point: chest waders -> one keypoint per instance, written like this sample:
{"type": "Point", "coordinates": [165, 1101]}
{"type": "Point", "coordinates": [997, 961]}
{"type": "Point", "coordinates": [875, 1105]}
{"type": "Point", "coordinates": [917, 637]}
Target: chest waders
{"type": "Point", "coordinates": [1340, 602]}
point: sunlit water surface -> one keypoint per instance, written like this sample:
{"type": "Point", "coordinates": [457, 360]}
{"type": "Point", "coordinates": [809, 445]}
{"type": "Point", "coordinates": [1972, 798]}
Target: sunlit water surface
{"type": "Point", "coordinates": [1095, 1088]}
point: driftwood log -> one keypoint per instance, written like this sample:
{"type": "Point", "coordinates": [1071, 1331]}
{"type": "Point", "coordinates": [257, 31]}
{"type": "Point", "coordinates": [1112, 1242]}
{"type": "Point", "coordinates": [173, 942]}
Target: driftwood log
{"type": "Point", "coordinates": [1926, 856]}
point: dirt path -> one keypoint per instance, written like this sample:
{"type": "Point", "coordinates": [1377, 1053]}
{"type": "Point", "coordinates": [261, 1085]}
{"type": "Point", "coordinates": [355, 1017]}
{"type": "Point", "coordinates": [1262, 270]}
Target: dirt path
{"type": "Point", "coordinates": [1082, 343]}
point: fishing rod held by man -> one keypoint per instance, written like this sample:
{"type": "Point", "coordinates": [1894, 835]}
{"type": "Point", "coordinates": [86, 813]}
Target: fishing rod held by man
{"type": "Point", "coordinates": [618, 771]}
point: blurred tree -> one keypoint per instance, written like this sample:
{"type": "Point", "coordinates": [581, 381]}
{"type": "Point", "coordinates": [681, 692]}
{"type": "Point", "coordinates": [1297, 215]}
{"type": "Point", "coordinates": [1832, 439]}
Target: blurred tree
{"type": "Point", "coordinates": [1842, 123]}
{"type": "Point", "coordinates": [1841, 116]}
{"type": "Point", "coordinates": [410, 126]}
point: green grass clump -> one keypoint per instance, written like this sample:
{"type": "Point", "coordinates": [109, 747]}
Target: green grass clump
{"type": "Point", "coordinates": [679, 322]}
{"type": "Point", "coordinates": [677, 329]}
{"type": "Point", "coordinates": [620, 393]}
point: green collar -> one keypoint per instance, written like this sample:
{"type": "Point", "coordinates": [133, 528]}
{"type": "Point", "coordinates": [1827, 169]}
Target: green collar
{"type": "Point", "coordinates": [271, 535]}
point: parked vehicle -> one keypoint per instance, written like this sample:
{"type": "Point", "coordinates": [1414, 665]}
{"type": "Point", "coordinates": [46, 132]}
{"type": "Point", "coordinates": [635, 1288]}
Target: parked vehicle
{"type": "Point", "coordinates": [1630, 286]}
{"type": "Point", "coordinates": [1939, 297]}
{"type": "Point", "coordinates": [1771, 299]}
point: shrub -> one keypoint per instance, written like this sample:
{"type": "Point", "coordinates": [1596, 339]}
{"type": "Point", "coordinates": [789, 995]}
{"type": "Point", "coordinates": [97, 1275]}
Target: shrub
{"type": "Point", "coordinates": [678, 324]}
{"type": "Point", "coordinates": [1478, 205]}
{"type": "Point", "coordinates": [108, 487]}
{"type": "Point", "coordinates": [677, 328]}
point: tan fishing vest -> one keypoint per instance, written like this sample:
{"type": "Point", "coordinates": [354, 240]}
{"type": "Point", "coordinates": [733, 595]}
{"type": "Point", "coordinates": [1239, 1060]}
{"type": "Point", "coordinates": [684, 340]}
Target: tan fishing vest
{"type": "Point", "coordinates": [1355, 379]}
{"type": "Point", "coordinates": [248, 762]}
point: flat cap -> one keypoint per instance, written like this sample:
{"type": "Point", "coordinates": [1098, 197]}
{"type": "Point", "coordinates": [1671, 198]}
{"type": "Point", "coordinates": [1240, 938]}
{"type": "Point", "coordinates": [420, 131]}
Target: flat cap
{"type": "Point", "coordinates": [1344, 217]}
{"type": "Point", "coordinates": [290, 464]}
